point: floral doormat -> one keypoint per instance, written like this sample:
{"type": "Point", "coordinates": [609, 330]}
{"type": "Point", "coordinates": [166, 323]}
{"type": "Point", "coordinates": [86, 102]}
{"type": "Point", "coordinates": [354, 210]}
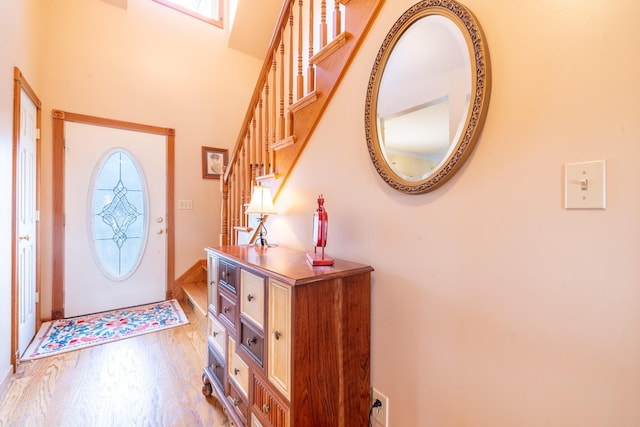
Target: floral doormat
{"type": "Point", "coordinates": [60, 336]}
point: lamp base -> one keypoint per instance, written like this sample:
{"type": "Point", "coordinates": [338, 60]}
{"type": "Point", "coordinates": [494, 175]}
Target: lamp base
{"type": "Point", "coordinates": [317, 259]}
{"type": "Point", "coordinates": [261, 242]}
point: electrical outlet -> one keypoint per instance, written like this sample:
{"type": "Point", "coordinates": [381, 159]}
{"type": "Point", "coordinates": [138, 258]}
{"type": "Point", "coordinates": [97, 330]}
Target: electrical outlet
{"type": "Point", "coordinates": [185, 204]}
{"type": "Point", "coordinates": [380, 414]}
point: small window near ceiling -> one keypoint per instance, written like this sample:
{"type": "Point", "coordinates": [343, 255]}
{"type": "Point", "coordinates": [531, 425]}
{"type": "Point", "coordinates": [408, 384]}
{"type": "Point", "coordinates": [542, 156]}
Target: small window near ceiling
{"type": "Point", "coordinates": [207, 10]}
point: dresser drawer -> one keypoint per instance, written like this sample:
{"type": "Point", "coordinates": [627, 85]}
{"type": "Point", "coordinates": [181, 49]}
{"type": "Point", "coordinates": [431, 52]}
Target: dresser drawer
{"type": "Point", "coordinates": [217, 334]}
{"type": "Point", "coordinates": [271, 409]}
{"type": "Point", "coordinates": [228, 310]}
{"type": "Point", "coordinates": [239, 403]}
{"type": "Point", "coordinates": [227, 276]}
{"type": "Point", "coordinates": [252, 297]}
{"type": "Point", "coordinates": [216, 366]}
{"type": "Point", "coordinates": [252, 341]}
{"type": "Point", "coordinates": [238, 369]}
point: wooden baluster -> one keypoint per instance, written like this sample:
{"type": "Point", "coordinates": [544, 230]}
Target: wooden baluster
{"type": "Point", "coordinates": [300, 88]}
{"type": "Point", "coordinates": [232, 206]}
{"type": "Point", "coordinates": [274, 100]}
{"type": "Point", "coordinates": [241, 182]}
{"type": "Point", "coordinates": [323, 23]}
{"type": "Point", "coordinates": [265, 147]}
{"type": "Point", "coordinates": [246, 178]}
{"type": "Point", "coordinates": [289, 114]}
{"type": "Point", "coordinates": [234, 193]}
{"type": "Point", "coordinates": [337, 19]}
{"type": "Point", "coordinates": [254, 153]}
{"type": "Point", "coordinates": [259, 140]}
{"type": "Point", "coordinates": [274, 111]}
{"type": "Point", "coordinates": [311, 71]}
{"type": "Point", "coordinates": [281, 124]}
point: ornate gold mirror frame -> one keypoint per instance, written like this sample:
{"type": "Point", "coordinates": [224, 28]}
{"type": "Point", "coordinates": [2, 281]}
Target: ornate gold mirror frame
{"type": "Point", "coordinates": [470, 125]}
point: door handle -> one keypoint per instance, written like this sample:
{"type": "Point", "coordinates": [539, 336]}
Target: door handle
{"type": "Point", "coordinates": [160, 230]}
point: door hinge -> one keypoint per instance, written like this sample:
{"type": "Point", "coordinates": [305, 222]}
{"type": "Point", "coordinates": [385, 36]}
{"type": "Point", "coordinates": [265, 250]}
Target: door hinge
{"type": "Point", "coordinates": [37, 133]}
{"type": "Point", "coordinates": [37, 215]}
{"type": "Point", "coordinates": [37, 297]}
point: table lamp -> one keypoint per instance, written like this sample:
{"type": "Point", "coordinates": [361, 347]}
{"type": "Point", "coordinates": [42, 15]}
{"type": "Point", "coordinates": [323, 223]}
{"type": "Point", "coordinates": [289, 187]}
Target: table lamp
{"type": "Point", "coordinates": [261, 204]}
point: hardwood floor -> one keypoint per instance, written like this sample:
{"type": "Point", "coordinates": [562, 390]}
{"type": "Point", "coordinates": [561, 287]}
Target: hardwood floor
{"type": "Point", "coordinates": [150, 380]}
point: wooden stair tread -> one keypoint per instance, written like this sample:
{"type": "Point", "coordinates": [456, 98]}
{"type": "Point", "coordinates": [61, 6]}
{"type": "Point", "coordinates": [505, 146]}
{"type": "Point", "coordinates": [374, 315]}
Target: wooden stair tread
{"type": "Point", "coordinates": [196, 292]}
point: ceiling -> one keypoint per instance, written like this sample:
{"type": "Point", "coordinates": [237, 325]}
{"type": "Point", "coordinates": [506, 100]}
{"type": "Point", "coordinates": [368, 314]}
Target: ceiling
{"type": "Point", "coordinates": [253, 26]}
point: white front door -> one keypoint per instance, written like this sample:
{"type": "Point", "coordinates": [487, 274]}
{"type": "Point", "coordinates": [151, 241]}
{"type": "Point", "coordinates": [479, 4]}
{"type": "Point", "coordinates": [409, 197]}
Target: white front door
{"type": "Point", "coordinates": [26, 222]}
{"type": "Point", "coordinates": [115, 218]}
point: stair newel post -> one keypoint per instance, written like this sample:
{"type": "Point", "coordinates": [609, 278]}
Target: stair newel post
{"type": "Point", "coordinates": [311, 71]}
{"type": "Point", "coordinates": [300, 86]}
{"type": "Point", "coordinates": [224, 210]}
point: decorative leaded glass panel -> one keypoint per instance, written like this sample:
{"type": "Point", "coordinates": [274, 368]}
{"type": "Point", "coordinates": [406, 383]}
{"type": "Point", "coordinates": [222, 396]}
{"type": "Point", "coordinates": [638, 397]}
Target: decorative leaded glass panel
{"type": "Point", "coordinates": [118, 214]}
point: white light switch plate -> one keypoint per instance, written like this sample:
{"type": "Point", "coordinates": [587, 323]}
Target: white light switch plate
{"type": "Point", "coordinates": [585, 185]}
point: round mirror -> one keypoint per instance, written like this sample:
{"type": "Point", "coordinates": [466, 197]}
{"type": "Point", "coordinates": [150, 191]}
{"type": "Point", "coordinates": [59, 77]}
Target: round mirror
{"type": "Point", "coordinates": [427, 96]}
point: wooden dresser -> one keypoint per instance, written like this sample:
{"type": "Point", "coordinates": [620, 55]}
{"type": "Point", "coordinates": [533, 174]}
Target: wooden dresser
{"type": "Point", "coordinates": [288, 343]}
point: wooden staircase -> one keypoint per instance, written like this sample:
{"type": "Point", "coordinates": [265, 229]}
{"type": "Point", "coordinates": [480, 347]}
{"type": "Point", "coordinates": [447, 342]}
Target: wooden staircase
{"type": "Point", "coordinates": [307, 57]}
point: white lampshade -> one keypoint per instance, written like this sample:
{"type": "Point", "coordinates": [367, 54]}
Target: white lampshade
{"type": "Point", "coordinates": [261, 202]}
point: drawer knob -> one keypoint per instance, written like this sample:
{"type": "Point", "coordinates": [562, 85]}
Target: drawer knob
{"type": "Point", "coordinates": [265, 408]}
{"type": "Point", "coordinates": [226, 310]}
{"type": "Point", "coordinates": [236, 371]}
{"type": "Point", "coordinates": [277, 335]}
{"type": "Point", "coordinates": [236, 402]}
{"type": "Point", "coordinates": [215, 334]}
{"type": "Point", "coordinates": [212, 282]}
{"type": "Point", "coordinates": [250, 341]}
{"type": "Point", "coordinates": [250, 297]}
{"type": "Point", "coordinates": [216, 366]}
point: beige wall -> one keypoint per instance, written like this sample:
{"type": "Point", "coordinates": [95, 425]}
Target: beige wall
{"type": "Point", "coordinates": [148, 64]}
{"type": "Point", "coordinates": [492, 305]}
{"type": "Point", "coordinates": [20, 46]}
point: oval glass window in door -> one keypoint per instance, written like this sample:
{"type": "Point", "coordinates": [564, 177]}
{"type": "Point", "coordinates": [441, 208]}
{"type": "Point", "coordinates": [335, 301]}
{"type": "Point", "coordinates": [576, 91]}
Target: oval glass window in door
{"type": "Point", "coordinates": [118, 214]}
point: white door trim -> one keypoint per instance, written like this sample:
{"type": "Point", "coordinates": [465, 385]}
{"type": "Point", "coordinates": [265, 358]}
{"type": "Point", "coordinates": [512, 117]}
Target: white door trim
{"type": "Point", "coordinates": [59, 118]}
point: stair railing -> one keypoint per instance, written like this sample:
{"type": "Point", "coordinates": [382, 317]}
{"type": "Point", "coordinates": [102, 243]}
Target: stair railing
{"type": "Point", "coordinates": [289, 87]}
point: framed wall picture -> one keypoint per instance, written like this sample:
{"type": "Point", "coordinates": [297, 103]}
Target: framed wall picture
{"type": "Point", "coordinates": [213, 162]}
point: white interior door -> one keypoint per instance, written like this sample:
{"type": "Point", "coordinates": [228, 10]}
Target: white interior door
{"type": "Point", "coordinates": [26, 222]}
{"type": "Point", "coordinates": [115, 218]}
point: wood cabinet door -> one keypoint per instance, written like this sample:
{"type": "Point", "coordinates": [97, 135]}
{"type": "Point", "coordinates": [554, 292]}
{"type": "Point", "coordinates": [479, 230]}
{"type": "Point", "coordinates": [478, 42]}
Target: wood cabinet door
{"type": "Point", "coordinates": [217, 334]}
{"type": "Point", "coordinates": [212, 282]}
{"type": "Point", "coordinates": [238, 369]}
{"type": "Point", "coordinates": [279, 353]}
{"type": "Point", "coordinates": [252, 297]}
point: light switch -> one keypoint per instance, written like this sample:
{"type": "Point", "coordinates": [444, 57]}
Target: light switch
{"type": "Point", "coordinates": [585, 185]}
